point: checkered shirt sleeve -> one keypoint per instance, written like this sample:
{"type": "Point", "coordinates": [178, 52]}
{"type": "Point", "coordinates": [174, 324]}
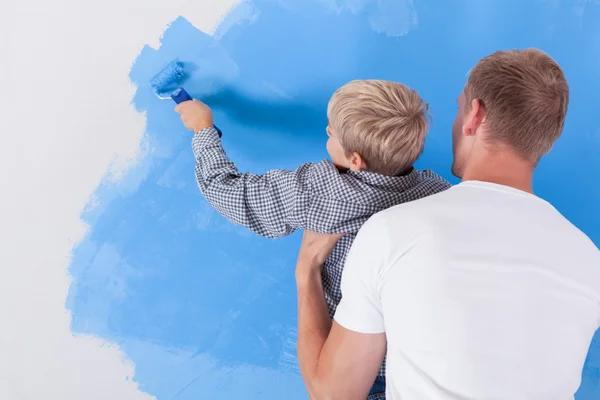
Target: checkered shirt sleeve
{"type": "Point", "coordinates": [278, 202]}
{"type": "Point", "coordinates": [273, 204]}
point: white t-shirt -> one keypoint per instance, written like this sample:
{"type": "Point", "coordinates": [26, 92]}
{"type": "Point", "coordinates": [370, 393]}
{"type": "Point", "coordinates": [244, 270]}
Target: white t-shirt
{"type": "Point", "coordinates": [484, 292]}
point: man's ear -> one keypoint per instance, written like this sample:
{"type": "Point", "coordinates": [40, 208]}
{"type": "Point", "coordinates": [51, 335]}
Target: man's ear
{"type": "Point", "coordinates": [474, 118]}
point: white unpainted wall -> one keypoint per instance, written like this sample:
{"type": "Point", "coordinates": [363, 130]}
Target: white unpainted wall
{"type": "Point", "coordinates": [66, 118]}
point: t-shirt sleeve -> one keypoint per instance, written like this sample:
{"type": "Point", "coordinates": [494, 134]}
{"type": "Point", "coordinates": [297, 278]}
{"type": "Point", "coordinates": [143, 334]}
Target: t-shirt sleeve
{"type": "Point", "coordinates": [360, 309]}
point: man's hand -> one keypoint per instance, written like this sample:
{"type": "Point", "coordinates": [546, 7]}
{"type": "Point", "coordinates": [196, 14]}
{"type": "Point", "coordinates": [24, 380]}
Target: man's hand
{"type": "Point", "coordinates": [314, 250]}
{"type": "Point", "coordinates": [314, 322]}
{"type": "Point", "coordinates": [335, 362]}
{"type": "Point", "coordinates": [195, 115]}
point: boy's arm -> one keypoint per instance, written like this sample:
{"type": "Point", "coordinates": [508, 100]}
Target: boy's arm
{"type": "Point", "coordinates": [273, 204]}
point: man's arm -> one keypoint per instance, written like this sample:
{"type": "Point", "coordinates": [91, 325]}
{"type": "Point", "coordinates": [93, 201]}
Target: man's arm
{"type": "Point", "coordinates": [270, 204]}
{"type": "Point", "coordinates": [335, 362]}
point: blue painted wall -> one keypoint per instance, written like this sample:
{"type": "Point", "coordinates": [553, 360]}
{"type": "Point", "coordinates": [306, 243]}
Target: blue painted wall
{"type": "Point", "coordinates": [206, 309]}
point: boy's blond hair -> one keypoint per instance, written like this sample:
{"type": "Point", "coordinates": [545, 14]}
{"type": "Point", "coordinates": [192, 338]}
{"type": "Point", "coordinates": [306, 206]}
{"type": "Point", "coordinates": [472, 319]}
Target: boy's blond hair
{"type": "Point", "coordinates": [385, 122]}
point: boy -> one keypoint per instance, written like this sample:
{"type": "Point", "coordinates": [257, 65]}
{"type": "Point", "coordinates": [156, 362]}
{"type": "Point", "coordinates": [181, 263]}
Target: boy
{"type": "Point", "coordinates": [376, 132]}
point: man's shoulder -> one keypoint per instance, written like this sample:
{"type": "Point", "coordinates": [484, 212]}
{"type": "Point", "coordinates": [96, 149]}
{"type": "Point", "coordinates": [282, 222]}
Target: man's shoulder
{"type": "Point", "coordinates": [579, 242]}
{"type": "Point", "coordinates": [413, 218]}
{"type": "Point", "coordinates": [441, 192]}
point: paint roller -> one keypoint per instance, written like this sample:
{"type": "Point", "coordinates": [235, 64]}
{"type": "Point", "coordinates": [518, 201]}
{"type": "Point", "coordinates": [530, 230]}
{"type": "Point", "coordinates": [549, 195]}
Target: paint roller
{"type": "Point", "coordinates": [167, 84]}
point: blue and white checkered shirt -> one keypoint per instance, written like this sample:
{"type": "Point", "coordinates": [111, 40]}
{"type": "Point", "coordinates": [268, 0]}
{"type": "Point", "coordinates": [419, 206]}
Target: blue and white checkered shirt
{"type": "Point", "coordinates": [315, 196]}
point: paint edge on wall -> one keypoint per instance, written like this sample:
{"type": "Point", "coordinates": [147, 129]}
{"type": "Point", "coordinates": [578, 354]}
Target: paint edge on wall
{"type": "Point", "coordinates": [244, 11]}
{"type": "Point", "coordinates": [119, 169]}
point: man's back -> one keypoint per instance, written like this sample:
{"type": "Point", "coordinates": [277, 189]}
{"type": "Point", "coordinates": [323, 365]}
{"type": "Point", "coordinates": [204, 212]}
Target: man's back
{"type": "Point", "coordinates": [487, 292]}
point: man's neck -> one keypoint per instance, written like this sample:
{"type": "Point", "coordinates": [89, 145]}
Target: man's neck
{"type": "Point", "coordinates": [502, 168]}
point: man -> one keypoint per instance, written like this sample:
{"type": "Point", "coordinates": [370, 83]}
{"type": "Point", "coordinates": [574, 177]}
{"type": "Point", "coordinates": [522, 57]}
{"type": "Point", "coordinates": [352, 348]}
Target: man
{"type": "Point", "coordinates": [483, 291]}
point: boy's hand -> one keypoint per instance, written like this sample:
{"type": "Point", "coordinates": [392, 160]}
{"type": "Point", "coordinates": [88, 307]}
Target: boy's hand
{"type": "Point", "coordinates": [195, 115]}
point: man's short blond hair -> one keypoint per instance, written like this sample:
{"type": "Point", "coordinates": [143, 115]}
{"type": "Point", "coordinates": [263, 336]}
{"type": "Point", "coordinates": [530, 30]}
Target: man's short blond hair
{"type": "Point", "coordinates": [525, 96]}
{"type": "Point", "coordinates": [383, 121]}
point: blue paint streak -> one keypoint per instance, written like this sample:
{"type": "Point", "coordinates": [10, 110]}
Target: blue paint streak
{"type": "Point", "coordinates": [205, 309]}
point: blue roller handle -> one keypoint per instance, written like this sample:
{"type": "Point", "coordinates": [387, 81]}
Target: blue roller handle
{"type": "Point", "coordinates": [180, 95]}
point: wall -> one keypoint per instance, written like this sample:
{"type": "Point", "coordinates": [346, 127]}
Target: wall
{"type": "Point", "coordinates": [150, 293]}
